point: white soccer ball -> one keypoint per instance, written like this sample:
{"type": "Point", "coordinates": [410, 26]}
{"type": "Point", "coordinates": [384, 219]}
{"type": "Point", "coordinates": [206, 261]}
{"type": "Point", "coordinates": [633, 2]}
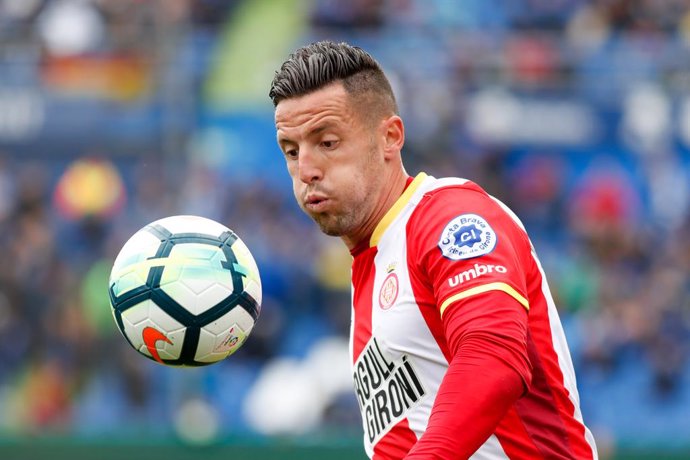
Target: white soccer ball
{"type": "Point", "coordinates": [185, 291]}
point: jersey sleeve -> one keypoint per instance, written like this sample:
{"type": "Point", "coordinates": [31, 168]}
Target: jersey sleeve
{"type": "Point", "coordinates": [471, 258]}
{"type": "Point", "coordinates": [466, 244]}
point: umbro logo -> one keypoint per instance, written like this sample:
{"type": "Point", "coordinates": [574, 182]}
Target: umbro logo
{"type": "Point", "coordinates": [475, 272]}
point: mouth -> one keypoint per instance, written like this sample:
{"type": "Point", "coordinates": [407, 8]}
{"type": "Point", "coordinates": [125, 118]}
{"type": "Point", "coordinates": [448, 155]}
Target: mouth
{"type": "Point", "coordinates": [316, 203]}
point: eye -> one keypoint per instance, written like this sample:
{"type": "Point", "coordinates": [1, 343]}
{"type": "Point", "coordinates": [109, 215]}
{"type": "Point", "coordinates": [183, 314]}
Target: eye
{"type": "Point", "coordinates": [329, 144]}
{"type": "Point", "coordinates": [291, 154]}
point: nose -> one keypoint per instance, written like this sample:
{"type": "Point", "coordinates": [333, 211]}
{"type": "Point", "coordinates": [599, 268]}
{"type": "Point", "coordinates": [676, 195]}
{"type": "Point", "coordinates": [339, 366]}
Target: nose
{"type": "Point", "coordinates": [310, 169]}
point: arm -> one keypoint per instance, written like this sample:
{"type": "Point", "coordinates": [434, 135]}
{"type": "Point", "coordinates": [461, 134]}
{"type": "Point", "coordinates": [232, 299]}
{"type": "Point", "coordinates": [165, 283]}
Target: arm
{"type": "Point", "coordinates": [469, 258]}
{"type": "Point", "coordinates": [488, 372]}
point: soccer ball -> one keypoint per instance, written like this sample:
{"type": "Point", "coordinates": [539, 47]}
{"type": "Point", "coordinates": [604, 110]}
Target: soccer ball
{"type": "Point", "coordinates": [185, 291]}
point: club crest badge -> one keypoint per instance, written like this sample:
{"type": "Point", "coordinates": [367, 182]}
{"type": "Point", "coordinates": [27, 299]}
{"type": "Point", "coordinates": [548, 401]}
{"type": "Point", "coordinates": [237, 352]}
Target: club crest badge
{"type": "Point", "coordinates": [389, 291]}
{"type": "Point", "coordinates": [467, 236]}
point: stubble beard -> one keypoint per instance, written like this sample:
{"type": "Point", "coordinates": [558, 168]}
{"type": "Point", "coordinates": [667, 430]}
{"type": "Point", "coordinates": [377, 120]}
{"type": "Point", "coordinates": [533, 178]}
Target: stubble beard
{"type": "Point", "coordinates": [336, 224]}
{"type": "Point", "coordinates": [340, 221]}
{"type": "Point", "coordinates": [346, 221]}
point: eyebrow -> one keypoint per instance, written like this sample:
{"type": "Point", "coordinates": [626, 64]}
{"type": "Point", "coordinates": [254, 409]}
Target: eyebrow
{"type": "Point", "coordinates": [316, 130]}
{"type": "Point", "coordinates": [320, 128]}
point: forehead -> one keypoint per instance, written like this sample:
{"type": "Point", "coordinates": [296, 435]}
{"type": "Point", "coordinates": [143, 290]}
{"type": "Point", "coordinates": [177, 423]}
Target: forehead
{"type": "Point", "coordinates": [331, 102]}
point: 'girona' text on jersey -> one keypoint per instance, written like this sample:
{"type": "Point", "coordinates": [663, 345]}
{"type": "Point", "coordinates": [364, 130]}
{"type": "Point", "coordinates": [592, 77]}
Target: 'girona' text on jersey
{"type": "Point", "coordinates": [385, 390]}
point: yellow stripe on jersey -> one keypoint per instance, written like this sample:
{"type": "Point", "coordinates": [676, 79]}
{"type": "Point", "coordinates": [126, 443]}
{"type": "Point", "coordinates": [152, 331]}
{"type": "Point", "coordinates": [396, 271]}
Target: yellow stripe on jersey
{"type": "Point", "coordinates": [395, 209]}
{"type": "Point", "coordinates": [485, 288]}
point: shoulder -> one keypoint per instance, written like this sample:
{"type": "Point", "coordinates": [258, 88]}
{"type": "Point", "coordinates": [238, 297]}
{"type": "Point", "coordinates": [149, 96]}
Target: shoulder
{"type": "Point", "coordinates": [462, 242]}
{"type": "Point", "coordinates": [456, 193]}
{"type": "Point", "coordinates": [450, 198]}
{"type": "Point", "coordinates": [461, 218]}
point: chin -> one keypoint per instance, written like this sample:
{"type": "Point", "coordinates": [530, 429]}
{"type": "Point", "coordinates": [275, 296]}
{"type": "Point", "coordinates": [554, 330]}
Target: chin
{"type": "Point", "coordinates": [330, 230]}
{"type": "Point", "coordinates": [329, 226]}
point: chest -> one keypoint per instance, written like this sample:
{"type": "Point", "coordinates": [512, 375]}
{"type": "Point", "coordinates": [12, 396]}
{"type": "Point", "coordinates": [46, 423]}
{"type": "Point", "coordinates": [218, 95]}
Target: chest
{"type": "Point", "coordinates": [391, 306]}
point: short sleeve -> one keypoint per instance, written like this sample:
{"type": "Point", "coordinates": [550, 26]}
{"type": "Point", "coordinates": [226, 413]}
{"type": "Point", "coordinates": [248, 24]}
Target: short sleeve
{"type": "Point", "coordinates": [464, 244]}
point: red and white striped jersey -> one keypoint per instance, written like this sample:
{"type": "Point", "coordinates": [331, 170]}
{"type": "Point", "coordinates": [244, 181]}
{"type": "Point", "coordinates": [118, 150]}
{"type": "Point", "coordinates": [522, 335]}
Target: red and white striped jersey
{"type": "Point", "coordinates": [444, 244]}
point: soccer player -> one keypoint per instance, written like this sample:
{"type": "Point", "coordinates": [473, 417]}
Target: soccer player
{"type": "Point", "coordinates": [457, 348]}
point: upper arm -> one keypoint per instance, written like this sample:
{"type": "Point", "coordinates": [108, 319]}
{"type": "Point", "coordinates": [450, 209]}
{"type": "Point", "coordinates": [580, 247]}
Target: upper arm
{"type": "Point", "coordinates": [473, 257]}
{"type": "Point", "coordinates": [465, 244]}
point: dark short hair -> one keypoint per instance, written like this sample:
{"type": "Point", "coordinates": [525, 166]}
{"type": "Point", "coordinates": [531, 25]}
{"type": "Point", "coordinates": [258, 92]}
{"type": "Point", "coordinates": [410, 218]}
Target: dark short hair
{"type": "Point", "coordinates": [319, 64]}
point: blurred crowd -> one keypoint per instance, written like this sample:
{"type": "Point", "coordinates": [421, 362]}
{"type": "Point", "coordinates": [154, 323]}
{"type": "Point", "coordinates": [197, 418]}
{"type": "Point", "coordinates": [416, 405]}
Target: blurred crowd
{"type": "Point", "coordinates": [575, 113]}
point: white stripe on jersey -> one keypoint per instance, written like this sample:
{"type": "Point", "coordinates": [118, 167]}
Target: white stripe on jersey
{"type": "Point", "coordinates": [490, 450]}
{"type": "Point", "coordinates": [406, 319]}
{"type": "Point", "coordinates": [565, 362]}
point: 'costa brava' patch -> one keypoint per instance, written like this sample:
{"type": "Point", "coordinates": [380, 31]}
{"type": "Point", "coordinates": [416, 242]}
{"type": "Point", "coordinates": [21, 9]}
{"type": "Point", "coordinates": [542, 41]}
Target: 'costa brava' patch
{"type": "Point", "coordinates": [467, 236]}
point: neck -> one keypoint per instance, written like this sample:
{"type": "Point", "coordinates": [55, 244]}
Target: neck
{"type": "Point", "coordinates": [391, 191]}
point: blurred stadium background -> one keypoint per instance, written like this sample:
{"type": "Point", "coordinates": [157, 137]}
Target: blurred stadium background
{"type": "Point", "coordinates": [114, 113]}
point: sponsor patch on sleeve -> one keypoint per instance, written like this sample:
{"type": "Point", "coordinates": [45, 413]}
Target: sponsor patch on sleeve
{"type": "Point", "coordinates": [467, 236]}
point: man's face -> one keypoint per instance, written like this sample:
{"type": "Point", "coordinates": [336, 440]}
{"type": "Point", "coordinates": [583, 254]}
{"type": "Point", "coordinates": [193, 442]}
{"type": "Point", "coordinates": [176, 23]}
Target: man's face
{"type": "Point", "coordinates": [334, 159]}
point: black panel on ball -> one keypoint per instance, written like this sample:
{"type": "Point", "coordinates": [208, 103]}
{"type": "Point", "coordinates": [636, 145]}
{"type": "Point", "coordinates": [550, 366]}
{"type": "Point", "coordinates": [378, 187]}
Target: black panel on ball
{"type": "Point", "coordinates": [153, 291]}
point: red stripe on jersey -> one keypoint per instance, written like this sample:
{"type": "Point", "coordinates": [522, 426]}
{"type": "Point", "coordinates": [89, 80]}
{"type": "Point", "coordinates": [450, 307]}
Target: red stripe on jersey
{"type": "Point", "coordinates": [538, 411]}
{"type": "Point", "coordinates": [396, 443]}
{"type": "Point", "coordinates": [547, 381]}
{"type": "Point", "coordinates": [514, 438]}
{"type": "Point", "coordinates": [363, 273]}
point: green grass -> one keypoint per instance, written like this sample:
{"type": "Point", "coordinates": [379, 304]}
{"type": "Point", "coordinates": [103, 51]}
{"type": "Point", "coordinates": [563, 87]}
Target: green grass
{"type": "Point", "coordinates": [133, 452]}
{"type": "Point", "coordinates": [235, 449]}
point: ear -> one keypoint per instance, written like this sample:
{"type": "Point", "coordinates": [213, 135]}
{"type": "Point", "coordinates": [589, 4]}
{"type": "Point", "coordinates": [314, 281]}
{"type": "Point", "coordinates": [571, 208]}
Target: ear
{"type": "Point", "coordinates": [393, 131]}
